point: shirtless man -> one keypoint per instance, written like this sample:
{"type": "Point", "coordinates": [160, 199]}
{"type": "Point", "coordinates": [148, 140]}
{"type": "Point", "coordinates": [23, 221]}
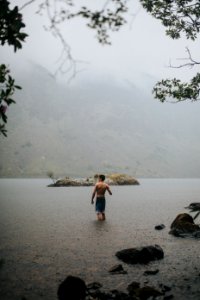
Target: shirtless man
{"type": "Point", "coordinates": [99, 190]}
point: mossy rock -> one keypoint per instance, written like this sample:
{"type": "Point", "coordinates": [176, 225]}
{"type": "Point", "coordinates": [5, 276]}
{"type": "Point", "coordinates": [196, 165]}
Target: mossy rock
{"type": "Point", "coordinates": [111, 179]}
{"type": "Point", "coordinates": [121, 179]}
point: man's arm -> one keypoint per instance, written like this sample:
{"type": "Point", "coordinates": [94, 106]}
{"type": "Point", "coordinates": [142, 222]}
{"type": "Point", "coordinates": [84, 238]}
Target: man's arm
{"type": "Point", "coordinates": [93, 194]}
{"type": "Point", "coordinates": [108, 189]}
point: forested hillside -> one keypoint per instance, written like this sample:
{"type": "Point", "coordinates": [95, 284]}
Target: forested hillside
{"type": "Point", "coordinates": [98, 125]}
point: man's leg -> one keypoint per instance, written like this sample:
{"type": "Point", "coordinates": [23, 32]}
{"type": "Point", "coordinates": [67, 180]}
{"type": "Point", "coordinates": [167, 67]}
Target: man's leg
{"type": "Point", "coordinates": [99, 216]}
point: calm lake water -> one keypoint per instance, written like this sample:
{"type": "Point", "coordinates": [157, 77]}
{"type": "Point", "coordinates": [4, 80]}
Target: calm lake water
{"type": "Point", "coordinates": [49, 233]}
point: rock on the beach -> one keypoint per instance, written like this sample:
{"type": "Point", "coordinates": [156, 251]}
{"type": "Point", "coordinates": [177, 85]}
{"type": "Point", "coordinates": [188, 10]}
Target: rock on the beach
{"type": "Point", "coordinates": [118, 295]}
{"type": "Point", "coordinates": [143, 293]}
{"type": "Point", "coordinates": [94, 285]}
{"type": "Point", "coordinates": [117, 269]}
{"type": "Point", "coordinates": [184, 225]}
{"type": "Point", "coordinates": [151, 272]}
{"type": "Point", "coordinates": [195, 206]}
{"type": "Point", "coordinates": [160, 227]}
{"type": "Point", "coordinates": [132, 287]}
{"type": "Point", "coordinates": [165, 288]}
{"type": "Point", "coordinates": [141, 255]}
{"type": "Point", "coordinates": [73, 288]}
{"type": "Point", "coordinates": [112, 295]}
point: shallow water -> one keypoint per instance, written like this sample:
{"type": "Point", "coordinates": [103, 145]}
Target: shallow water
{"type": "Point", "coordinates": [49, 233]}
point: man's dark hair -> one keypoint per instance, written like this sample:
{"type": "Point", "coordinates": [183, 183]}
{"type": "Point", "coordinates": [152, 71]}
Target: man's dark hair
{"type": "Point", "coordinates": [102, 177]}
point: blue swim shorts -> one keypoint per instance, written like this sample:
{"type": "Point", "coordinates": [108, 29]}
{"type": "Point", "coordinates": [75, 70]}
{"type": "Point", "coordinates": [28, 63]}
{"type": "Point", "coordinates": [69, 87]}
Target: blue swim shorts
{"type": "Point", "coordinates": [100, 204]}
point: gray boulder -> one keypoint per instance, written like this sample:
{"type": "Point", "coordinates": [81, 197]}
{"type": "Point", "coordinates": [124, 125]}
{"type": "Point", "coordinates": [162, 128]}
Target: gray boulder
{"type": "Point", "coordinates": [184, 226]}
{"type": "Point", "coordinates": [141, 255]}
{"type": "Point", "coordinates": [117, 269]}
{"type": "Point", "coordinates": [144, 292]}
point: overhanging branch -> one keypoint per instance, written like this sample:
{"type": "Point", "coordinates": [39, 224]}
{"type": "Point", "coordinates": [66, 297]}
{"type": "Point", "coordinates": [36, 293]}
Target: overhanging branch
{"type": "Point", "coordinates": [190, 61]}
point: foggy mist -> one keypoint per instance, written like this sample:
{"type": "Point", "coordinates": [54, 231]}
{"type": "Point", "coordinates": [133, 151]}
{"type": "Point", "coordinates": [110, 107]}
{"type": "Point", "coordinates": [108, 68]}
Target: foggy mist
{"type": "Point", "coordinates": [105, 119]}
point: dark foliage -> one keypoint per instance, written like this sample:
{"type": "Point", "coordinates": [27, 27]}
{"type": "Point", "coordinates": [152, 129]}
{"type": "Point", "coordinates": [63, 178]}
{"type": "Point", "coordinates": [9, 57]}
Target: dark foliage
{"type": "Point", "coordinates": [10, 33]}
{"type": "Point", "coordinates": [179, 17]}
{"type": "Point", "coordinates": [11, 25]}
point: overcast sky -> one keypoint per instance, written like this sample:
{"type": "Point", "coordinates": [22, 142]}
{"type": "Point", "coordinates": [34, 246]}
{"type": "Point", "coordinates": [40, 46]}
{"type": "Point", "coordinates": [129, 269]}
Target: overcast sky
{"type": "Point", "coordinates": [141, 46]}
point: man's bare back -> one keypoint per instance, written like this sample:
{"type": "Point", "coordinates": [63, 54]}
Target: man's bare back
{"type": "Point", "coordinates": [101, 188]}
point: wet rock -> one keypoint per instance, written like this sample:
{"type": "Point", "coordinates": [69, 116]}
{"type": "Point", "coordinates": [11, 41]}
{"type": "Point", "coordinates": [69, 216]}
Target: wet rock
{"type": "Point", "coordinates": [94, 285]}
{"type": "Point", "coordinates": [147, 292]}
{"type": "Point", "coordinates": [141, 255]}
{"type": "Point", "coordinates": [99, 295]}
{"type": "Point", "coordinates": [2, 262]}
{"type": "Point", "coordinates": [93, 289]}
{"type": "Point", "coordinates": [151, 272]}
{"type": "Point", "coordinates": [132, 287]}
{"type": "Point", "coordinates": [118, 295]}
{"type": "Point", "coordinates": [112, 295]}
{"type": "Point", "coordinates": [184, 225]}
{"type": "Point", "coordinates": [165, 288]}
{"type": "Point", "coordinates": [143, 293]}
{"type": "Point", "coordinates": [168, 297]}
{"type": "Point", "coordinates": [73, 288]}
{"type": "Point", "coordinates": [196, 234]}
{"type": "Point", "coordinates": [117, 269]}
{"type": "Point", "coordinates": [194, 207]}
{"type": "Point", "coordinates": [160, 227]}
{"type": "Point", "coordinates": [102, 296]}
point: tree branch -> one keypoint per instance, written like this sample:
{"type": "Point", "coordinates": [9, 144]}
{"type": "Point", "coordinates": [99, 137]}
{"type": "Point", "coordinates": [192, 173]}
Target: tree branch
{"type": "Point", "coordinates": [191, 62]}
{"type": "Point", "coordinates": [26, 4]}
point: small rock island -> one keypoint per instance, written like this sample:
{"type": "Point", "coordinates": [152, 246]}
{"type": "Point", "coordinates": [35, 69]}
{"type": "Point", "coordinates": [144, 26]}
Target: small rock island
{"type": "Point", "coordinates": [111, 179]}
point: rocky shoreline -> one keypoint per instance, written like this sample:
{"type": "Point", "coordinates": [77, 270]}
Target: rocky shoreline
{"type": "Point", "coordinates": [75, 288]}
{"type": "Point", "coordinates": [111, 179]}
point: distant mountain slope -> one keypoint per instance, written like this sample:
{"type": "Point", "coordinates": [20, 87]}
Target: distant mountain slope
{"type": "Point", "coordinates": [98, 125]}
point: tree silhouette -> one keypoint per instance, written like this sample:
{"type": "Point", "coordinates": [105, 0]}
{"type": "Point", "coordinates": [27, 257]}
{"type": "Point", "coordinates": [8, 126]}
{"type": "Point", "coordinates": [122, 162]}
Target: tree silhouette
{"type": "Point", "coordinates": [10, 33]}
